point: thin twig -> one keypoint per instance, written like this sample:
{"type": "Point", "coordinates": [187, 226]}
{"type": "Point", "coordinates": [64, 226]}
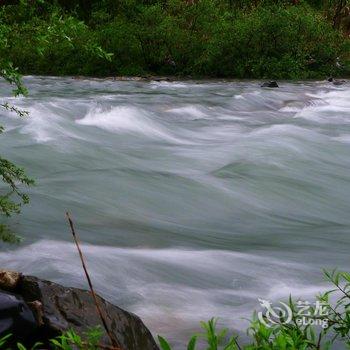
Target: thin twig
{"type": "Point", "coordinates": [114, 341]}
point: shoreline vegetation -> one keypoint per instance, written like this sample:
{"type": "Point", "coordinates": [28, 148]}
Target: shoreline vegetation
{"type": "Point", "coordinates": [172, 78]}
{"type": "Point", "coordinates": [201, 39]}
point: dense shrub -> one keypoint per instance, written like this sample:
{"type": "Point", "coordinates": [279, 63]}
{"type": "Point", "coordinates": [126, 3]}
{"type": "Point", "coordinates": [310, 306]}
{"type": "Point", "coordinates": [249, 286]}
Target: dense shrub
{"type": "Point", "coordinates": [244, 39]}
{"type": "Point", "coordinates": [274, 42]}
{"type": "Point", "coordinates": [49, 43]}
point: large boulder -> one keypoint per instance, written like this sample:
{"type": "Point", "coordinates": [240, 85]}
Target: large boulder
{"type": "Point", "coordinates": [57, 309]}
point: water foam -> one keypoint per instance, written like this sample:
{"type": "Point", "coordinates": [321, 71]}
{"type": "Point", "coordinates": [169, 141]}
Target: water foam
{"type": "Point", "coordinates": [332, 106]}
{"type": "Point", "coordinates": [125, 119]}
{"type": "Point", "coordinates": [193, 112]}
{"type": "Point", "coordinates": [281, 198]}
{"type": "Point", "coordinates": [167, 286]}
{"type": "Point", "coordinates": [46, 122]}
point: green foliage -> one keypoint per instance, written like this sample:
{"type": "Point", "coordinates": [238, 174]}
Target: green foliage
{"type": "Point", "coordinates": [215, 340]}
{"type": "Point", "coordinates": [337, 11]}
{"type": "Point", "coordinates": [274, 41]}
{"type": "Point", "coordinates": [270, 40]}
{"type": "Point", "coordinates": [69, 340]}
{"type": "Point", "coordinates": [163, 343]}
{"type": "Point", "coordinates": [6, 235]}
{"type": "Point", "coordinates": [52, 43]}
{"type": "Point", "coordinates": [4, 339]}
{"type": "Point", "coordinates": [10, 174]}
{"type": "Point", "coordinates": [11, 75]}
{"type": "Point", "coordinates": [218, 38]}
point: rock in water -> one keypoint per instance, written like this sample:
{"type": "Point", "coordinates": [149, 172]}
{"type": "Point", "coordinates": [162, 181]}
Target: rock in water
{"type": "Point", "coordinates": [336, 82]}
{"type": "Point", "coordinates": [270, 84]}
{"type": "Point", "coordinates": [59, 308]}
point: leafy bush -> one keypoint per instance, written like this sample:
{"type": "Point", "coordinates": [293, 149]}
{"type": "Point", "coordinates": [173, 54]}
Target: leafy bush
{"type": "Point", "coordinates": [274, 41]}
{"type": "Point", "coordinates": [217, 38]}
{"type": "Point", "coordinates": [42, 39]}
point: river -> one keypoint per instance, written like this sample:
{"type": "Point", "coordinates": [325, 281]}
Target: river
{"type": "Point", "coordinates": [193, 199]}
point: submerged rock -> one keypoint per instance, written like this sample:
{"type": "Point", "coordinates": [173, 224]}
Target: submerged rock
{"type": "Point", "coordinates": [336, 82]}
{"type": "Point", "coordinates": [270, 84]}
{"type": "Point", "coordinates": [57, 309]}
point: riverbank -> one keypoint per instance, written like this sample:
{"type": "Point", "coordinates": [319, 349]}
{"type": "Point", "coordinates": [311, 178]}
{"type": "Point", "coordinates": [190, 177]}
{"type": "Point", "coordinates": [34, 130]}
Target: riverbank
{"type": "Point", "coordinates": [199, 80]}
{"type": "Point", "coordinates": [207, 38]}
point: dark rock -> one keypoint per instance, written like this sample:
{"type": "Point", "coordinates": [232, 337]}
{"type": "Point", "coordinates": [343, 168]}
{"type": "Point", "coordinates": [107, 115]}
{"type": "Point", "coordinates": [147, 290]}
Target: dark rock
{"type": "Point", "coordinates": [338, 82]}
{"type": "Point", "coordinates": [57, 309]}
{"type": "Point", "coordinates": [15, 316]}
{"type": "Point", "coordinates": [158, 79]}
{"type": "Point", "coordinates": [335, 82]}
{"type": "Point", "coordinates": [270, 84]}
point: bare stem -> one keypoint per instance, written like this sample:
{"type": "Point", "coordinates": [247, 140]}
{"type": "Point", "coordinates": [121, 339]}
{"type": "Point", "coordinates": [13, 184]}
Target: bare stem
{"type": "Point", "coordinates": [114, 342]}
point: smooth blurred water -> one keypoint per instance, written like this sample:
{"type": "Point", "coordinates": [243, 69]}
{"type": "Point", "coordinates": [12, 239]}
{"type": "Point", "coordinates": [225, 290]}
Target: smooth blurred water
{"type": "Point", "coordinates": [193, 198]}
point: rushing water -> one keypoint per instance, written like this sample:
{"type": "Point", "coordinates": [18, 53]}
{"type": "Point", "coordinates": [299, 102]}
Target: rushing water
{"type": "Point", "coordinates": [193, 199]}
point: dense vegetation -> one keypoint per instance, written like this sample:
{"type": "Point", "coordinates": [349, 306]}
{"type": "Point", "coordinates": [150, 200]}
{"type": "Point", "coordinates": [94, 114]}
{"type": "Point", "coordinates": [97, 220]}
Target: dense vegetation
{"type": "Point", "coordinates": [214, 38]}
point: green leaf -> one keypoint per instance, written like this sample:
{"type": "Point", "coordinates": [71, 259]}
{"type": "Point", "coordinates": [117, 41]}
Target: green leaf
{"type": "Point", "coordinates": [4, 339]}
{"type": "Point", "coordinates": [36, 345]}
{"type": "Point", "coordinates": [192, 343]}
{"type": "Point", "coordinates": [163, 343]}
